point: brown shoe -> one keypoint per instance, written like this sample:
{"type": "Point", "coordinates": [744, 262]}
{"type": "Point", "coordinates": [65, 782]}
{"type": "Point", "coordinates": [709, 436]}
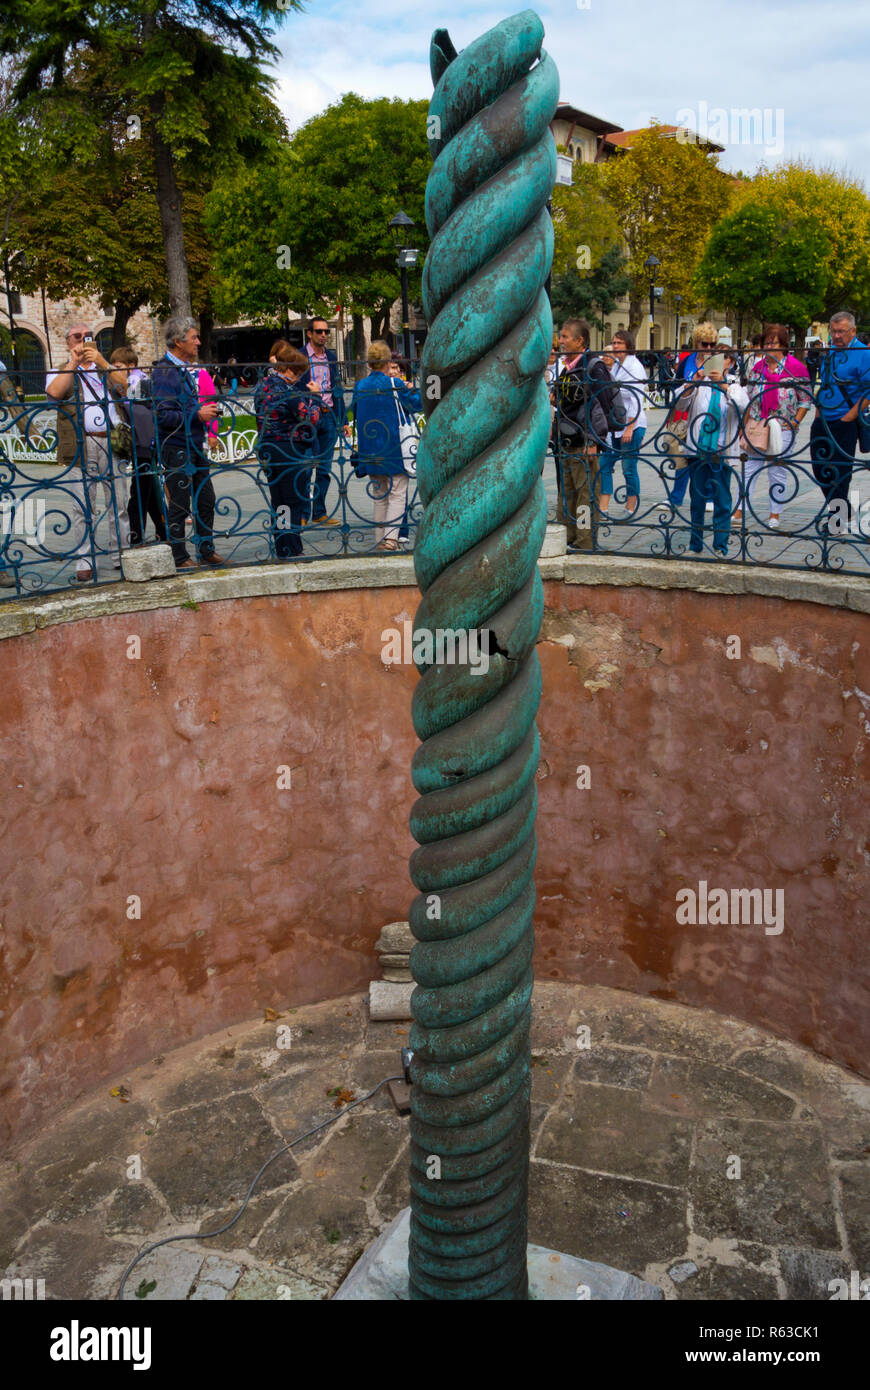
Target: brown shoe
{"type": "Point", "coordinates": [184, 565]}
{"type": "Point", "coordinates": [84, 576]}
{"type": "Point", "coordinates": [325, 521]}
{"type": "Point", "coordinates": [213, 560]}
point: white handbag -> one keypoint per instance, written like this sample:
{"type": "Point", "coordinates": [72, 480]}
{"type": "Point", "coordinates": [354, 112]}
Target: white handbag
{"type": "Point", "coordinates": [774, 437]}
{"type": "Point", "coordinates": [408, 437]}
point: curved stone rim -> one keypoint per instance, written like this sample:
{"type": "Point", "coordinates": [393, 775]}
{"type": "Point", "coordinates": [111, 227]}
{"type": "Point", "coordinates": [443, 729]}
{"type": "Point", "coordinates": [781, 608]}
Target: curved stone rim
{"type": "Point", "coordinates": [24, 615]}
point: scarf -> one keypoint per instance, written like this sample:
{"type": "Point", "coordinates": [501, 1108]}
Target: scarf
{"type": "Point", "coordinates": [708, 438]}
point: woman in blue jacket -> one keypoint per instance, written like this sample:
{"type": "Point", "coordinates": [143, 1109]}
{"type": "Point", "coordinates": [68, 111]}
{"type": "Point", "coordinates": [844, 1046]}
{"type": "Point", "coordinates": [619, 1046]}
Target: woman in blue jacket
{"type": "Point", "coordinates": [287, 418]}
{"type": "Point", "coordinates": [382, 405]}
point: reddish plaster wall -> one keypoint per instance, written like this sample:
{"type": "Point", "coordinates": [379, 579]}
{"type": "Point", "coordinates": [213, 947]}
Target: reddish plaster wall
{"type": "Point", "coordinates": [157, 778]}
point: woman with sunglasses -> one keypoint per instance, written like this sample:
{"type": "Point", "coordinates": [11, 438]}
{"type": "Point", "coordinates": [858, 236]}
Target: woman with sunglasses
{"type": "Point", "coordinates": [628, 371]}
{"type": "Point", "coordinates": [775, 392]}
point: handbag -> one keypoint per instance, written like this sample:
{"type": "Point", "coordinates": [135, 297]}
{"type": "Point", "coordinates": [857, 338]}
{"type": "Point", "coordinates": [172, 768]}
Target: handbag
{"type": "Point", "coordinates": [407, 437]}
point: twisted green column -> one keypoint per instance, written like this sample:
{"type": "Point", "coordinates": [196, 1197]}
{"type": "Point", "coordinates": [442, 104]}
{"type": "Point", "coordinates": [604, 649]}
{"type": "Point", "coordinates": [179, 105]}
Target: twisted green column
{"type": "Point", "coordinates": [479, 474]}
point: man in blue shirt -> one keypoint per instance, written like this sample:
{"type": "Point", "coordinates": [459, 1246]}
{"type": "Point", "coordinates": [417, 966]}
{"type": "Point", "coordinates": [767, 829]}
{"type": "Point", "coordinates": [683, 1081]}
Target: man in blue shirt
{"type": "Point", "coordinates": [180, 423]}
{"type": "Point", "coordinates": [843, 390]}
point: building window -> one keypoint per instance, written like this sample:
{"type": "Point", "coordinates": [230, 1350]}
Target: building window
{"type": "Point", "coordinates": [103, 341]}
{"type": "Point", "coordinates": [15, 303]}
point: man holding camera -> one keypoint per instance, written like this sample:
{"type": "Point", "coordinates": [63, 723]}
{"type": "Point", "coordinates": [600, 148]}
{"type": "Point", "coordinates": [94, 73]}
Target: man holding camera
{"type": "Point", "coordinates": [180, 423]}
{"type": "Point", "coordinates": [85, 377]}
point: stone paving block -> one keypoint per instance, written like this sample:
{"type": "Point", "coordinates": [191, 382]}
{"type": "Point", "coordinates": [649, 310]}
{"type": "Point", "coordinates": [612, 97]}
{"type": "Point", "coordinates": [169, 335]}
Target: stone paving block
{"type": "Point", "coordinates": [215, 1280]}
{"type": "Point", "coordinates": [97, 1131]}
{"type": "Point", "coordinates": [317, 1233]}
{"type": "Point", "coordinates": [549, 1075]}
{"type": "Point", "coordinates": [783, 1195]}
{"type": "Point", "coordinates": [729, 1282]}
{"type": "Point", "coordinates": [614, 1066]}
{"type": "Point", "coordinates": [261, 1284]}
{"type": "Point", "coordinates": [855, 1197]}
{"type": "Point", "coordinates": [394, 1192]}
{"type": "Point", "coordinates": [75, 1262]}
{"type": "Point", "coordinates": [355, 1157]}
{"type": "Point", "coordinates": [704, 1090]}
{"type": "Point", "coordinates": [612, 1220]}
{"type": "Point", "coordinates": [241, 1237]}
{"type": "Point", "coordinates": [133, 1210]}
{"type": "Point", "coordinates": [807, 1273]}
{"type": "Point", "coordinates": [696, 1033]}
{"type": "Point", "coordinates": [387, 1035]}
{"type": "Point", "coordinates": [216, 1074]}
{"type": "Point", "coordinates": [317, 1030]}
{"type": "Point", "coordinates": [205, 1155]}
{"type": "Point", "coordinates": [173, 1271]}
{"type": "Point", "coordinates": [612, 1130]}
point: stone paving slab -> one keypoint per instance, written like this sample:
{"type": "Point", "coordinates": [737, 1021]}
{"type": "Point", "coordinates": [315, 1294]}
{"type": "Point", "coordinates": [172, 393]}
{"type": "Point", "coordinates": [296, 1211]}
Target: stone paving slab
{"type": "Point", "coordinates": [639, 1109]}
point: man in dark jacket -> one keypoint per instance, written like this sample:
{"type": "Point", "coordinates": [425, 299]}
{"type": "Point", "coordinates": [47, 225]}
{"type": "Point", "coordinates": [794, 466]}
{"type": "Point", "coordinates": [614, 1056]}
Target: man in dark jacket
{"type": "Point", "coordinates": [325, 373]}
{"type": "Point", "coordinates": [589, 408]}
{"type": "Point", "coordinates": [180, 424]}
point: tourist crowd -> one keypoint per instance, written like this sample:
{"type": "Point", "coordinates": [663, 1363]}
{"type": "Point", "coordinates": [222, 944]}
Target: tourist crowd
{"type": "Point", "coordinates": [732, 418]}
{"type": "Point", "coordinates": [145, 442]}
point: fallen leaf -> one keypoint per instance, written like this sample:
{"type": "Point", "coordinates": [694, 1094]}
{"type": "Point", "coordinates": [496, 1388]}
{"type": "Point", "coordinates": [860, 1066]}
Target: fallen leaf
{"type": "Point", "coordinates": [120, 1093]}
{"type": "Point", "coordinates": [214, 717]}
{"type": "Point", "coordinates": [271, 1016]}
{"type": "Point", "coordinates": [321, 1173]}
{"type": "Point", "coordinates": [344, 1097]}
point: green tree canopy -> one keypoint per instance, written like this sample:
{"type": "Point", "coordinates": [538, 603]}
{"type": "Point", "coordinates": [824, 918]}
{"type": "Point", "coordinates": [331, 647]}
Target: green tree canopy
{"type": "Point", "coordinates": [836, 204]}
{"type": "Point", "coordinates": [667, 196]}
{"type": "Point", "coordinates": [768, 262]}
{"type": "Point", "coordinates": [189, 74]}
{"type": "Point", "coordinates": [592, 293]}
{"type": "Point", "coordinates": [310, 230]}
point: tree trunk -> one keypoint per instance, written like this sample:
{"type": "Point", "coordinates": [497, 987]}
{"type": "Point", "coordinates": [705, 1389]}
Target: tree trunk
{"type": "Point", "coordinates": [169, 202]}
{"type": "Point", "coordinates": [206, 324]}
{"type": "Point", "coordinates": [634, 310]}
{"type": "Point", "coordinates": [800, 339]}
{"type": "Point", "coordinates": [359, 345]}
{"type": "Point", "coordinates": [123, 313]}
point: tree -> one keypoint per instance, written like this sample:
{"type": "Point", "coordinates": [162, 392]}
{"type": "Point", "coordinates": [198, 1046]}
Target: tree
{"type": "Point", "coordinates": [838, 205]}
{"type": "Point", "coordinates": [585, 224]}
{"type": "Point", "coordinates": [578, 293]}
{"type": "Point", "coordinates": [311, 229]}
{"type": "Point", "coordinates": [193, 71]}
{"type": "Point", "coordinates": [767, 262]}
{"type": "Point", "coordinates": [666, 196]}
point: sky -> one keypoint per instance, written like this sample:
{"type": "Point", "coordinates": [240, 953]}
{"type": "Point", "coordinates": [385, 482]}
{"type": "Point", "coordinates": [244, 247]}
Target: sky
{"type": "Point", "coordinates": [803, 64]}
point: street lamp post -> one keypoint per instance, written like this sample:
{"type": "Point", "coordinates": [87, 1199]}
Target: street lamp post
{"type": "Point", "coordinates": [678, 300]}
{"type": "Point", "coordinates": [407, 256]}
{"type": "Point", "coordinates": [650, 265]}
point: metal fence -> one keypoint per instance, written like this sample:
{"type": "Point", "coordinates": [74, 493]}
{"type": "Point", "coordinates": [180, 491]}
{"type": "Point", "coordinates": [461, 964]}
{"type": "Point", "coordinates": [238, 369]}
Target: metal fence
{"type": "Point", "coordinates": [713, 470]}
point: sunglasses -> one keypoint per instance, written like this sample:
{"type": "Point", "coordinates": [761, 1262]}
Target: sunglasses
{"type": "Point", "coordinates": [320, 332]}
{"type": "Point", "coordinates": [708, 345]}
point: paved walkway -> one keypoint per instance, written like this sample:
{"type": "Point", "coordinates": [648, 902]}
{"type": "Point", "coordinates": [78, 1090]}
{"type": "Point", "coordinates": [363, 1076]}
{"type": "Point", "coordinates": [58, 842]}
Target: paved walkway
{"type": "Point", "coordinates": [700, 1153]}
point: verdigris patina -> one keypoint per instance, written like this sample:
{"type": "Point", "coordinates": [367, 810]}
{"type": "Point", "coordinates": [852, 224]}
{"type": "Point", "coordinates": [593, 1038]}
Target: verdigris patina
{"type": "Point", "coordinates": [479, 475]}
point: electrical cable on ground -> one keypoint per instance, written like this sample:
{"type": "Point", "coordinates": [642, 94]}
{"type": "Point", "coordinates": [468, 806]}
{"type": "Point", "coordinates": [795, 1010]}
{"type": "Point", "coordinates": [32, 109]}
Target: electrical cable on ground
{"type": "Point", "coordinates": [209, 1235]}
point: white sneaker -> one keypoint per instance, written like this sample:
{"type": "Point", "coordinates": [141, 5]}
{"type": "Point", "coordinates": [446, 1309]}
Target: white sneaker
{"type": "Point", "coordinates": [773, 521]}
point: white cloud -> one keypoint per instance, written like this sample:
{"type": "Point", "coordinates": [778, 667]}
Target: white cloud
{"type": "Point", "coordinates": [623, 60]}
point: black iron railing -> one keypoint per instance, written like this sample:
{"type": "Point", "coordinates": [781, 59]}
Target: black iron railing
{"type": "Point", "coordinates": [720, 470]}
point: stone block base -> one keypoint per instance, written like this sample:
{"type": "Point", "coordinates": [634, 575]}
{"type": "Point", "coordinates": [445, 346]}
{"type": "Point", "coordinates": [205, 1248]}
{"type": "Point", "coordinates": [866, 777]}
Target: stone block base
{"type": "Point", "coordinates": [390, 999]}
{"type": "Point", "coordinates": [147, 562]}
{"type": "Point", "coordinates": [382, 1274]}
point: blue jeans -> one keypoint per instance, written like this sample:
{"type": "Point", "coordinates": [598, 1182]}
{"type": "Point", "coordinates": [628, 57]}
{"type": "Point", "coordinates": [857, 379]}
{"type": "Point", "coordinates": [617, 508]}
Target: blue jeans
{"type": "Point", "coordinates": [324, 447]}
{"type": "Point", "coordinates": [710, 481]}
{"type": "Point", "coordinates": [628, 454]}
{"type": "Point", "coordinates": [677, 490]}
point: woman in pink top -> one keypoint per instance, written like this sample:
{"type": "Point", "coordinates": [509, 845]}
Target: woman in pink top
{"type": "Point", "coordinates": [208, 391]}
